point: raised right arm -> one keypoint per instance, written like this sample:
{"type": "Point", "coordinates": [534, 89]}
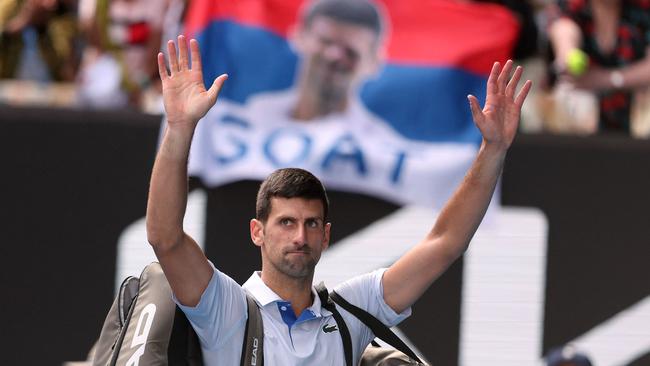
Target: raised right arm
{"type": "Point", "coordinates": [186, 101]}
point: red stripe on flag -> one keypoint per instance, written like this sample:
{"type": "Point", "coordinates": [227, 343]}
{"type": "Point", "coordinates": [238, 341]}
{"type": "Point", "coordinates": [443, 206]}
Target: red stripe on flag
{"type": "Point", "coordinates": [468, 35]}
{"type": "Point", "coordinates": [277, 16]}
{"type": "Point", "coordinates": [463, 35]}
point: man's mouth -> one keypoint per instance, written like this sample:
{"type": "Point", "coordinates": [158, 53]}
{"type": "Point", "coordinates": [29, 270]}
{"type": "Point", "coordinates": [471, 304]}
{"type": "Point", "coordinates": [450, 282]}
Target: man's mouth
{"type": "Point", "coordinates": [303, 252]}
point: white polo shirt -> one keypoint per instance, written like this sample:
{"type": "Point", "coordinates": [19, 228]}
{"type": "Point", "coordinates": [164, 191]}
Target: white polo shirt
{"type": "Point", "coordinates": [310, 339]}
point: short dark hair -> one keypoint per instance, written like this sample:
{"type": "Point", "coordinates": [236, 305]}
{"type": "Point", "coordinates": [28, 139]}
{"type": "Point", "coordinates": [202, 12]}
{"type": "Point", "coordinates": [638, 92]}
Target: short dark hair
{"type": "Point", "coordinates": [289, 183]}
{"type": "Point", "coordinates": [358, 12]}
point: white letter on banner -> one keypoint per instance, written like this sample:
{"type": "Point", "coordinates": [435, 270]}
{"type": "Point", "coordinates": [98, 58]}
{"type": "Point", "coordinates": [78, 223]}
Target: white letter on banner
{"type": "Point", "coordinates": [346, 150]}
{"type": "Point", "coordinates": [230, 148]}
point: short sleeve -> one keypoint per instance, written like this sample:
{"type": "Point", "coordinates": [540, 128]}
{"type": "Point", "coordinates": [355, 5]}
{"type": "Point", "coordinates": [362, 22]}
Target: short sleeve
{"type": "Point", "coordinates": [220, 313]}
{"type": "Point", "coordinates": [367, 292]}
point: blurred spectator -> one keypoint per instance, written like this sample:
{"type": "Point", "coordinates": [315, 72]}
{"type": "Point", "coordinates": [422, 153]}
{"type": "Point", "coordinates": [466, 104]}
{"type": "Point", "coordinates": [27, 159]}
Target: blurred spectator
{"type": "Point", "coordinates": [527, 53]}
{"type": "Point", "coordinates": [566, 356]}
{"type": "Point", "coordinates": [600, 47]}
{"type": "Point", "coordinates": [48, 26]}
{"type": "Point", "coordinates": [119, 65]}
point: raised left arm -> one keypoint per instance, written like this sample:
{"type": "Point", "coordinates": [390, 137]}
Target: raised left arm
{"type": "Point", "coordinates": [406, 280]}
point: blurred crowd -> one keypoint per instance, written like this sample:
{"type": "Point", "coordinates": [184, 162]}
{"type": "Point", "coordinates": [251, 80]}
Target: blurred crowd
{"type": "Point", "coordinates": [85, 53]}
{"type": "Point", "coordinates": [588, 58]}
{"type": "Point", "coordinates": [598, 66]}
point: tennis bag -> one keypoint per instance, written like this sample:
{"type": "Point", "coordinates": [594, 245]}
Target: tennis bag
{"type": "Point", "coordinates": [145, 327]}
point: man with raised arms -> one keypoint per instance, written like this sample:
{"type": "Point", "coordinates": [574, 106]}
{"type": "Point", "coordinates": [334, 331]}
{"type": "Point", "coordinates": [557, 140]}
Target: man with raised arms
{"type": "Point", "coordinates": [292, 230]}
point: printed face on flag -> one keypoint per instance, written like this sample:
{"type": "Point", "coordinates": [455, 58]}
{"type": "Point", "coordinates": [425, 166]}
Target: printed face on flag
{"type": "Point", "coordinates": [335, 57]}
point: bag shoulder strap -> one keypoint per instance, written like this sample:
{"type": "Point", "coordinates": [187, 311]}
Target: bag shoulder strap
{"type": "Point", "coordinates": [253, 348]}
{"type": "Point", "coordinates": [327, 303]}
{"type": "Point", "coordinates": [377, 327]}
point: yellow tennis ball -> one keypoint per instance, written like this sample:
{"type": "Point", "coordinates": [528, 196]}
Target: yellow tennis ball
{"type": "Point", "coordinates": [577, 62]}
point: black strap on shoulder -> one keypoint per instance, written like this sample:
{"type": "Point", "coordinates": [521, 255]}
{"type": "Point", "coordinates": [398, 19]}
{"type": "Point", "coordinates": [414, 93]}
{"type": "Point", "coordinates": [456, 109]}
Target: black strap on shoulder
{"type": "Point", "coordinates": [377, 327]}
{"type": "Point", "coordinates": [252, 353]}
{"type": "Point", "coordinates": [327, 303]}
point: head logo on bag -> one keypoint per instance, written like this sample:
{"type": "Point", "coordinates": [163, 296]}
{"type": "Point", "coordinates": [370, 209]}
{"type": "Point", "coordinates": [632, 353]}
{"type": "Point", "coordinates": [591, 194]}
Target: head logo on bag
{"type": "Point", "coordinates": [255, 348]}
{"type": "Point", "coordinates": [141, 333]}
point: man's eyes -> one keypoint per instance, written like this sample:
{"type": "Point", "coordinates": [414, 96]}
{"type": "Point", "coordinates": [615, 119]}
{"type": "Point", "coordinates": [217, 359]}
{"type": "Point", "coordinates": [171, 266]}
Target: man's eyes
{"type": "Point", "coordinates": [309, 223]}
{"type": "Point", "coordinates": [324, 41]}
{"type": "Point", "coordinates": [286, 222]}
{"type": "Point", "coordinates": [312, 223]}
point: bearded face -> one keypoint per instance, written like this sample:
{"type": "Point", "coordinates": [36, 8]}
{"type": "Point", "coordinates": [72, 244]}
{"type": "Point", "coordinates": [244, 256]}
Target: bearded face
{"type": "Point", "coordinates": [293, 236]}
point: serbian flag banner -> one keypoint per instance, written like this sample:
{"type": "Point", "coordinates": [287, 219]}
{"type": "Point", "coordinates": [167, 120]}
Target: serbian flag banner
{"type": "Point", "coordinates": [369, 96]}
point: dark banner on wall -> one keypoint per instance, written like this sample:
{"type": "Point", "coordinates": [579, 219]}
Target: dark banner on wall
{"type": "Point", "coordinates": [74, 180]}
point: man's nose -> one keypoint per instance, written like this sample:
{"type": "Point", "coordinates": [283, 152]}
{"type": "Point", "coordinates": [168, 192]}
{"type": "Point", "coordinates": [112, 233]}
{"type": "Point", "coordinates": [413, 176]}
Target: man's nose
{"type": "Point", "coordinates": [335, 52]}
{"type": "Point", "coordinates": [300, 235]}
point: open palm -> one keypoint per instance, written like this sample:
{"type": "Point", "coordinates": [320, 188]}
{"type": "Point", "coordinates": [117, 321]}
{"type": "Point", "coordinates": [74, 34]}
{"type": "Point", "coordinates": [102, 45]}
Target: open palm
{"type": "Point", "coordinates": [499, 118]}
{"type": "Point", "coordinates": [184, 95]}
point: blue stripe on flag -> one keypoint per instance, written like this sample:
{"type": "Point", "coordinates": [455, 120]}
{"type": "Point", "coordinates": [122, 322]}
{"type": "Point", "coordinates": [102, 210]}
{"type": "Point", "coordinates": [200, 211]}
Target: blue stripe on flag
{"type": "Point", "coordinates": [426, 103]}
{"type": "Point", "coordinates": [256, 60]}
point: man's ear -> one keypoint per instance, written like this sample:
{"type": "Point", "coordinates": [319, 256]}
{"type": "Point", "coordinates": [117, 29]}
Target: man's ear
{"type": "Point", "coordinates": [257, 232]}
{"type": "Point", "coordinates": [326, 237]}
